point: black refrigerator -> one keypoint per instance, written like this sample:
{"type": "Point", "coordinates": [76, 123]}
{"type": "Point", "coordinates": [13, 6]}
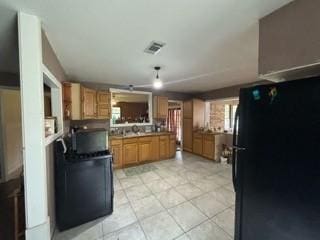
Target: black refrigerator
{"type": "Point", "coordinates": [276, 162]}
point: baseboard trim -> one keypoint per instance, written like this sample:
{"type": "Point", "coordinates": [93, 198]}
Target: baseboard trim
{"type": "Point", "coordinates": [39, 232]}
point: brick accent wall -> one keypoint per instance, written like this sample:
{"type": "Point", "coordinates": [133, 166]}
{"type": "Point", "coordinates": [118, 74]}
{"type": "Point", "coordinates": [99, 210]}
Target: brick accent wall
{"type": "Point", "coordinates": [216, 116]}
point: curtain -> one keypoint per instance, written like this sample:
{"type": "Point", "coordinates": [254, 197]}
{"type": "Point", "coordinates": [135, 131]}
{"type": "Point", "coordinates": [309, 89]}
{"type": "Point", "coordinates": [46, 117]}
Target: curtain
{"type": "Point", "coordinates": [174, 122]}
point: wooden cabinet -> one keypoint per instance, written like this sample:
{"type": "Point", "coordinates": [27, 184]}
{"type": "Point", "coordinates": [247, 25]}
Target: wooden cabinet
{"type": "Point", "coordinates": [160, 107]}
{"type": "Point", "coordinates": [208, 146]}
{"type": "Point", "coordinates": [187, 134]}
{"type": "Point", "coordinates": [164, 147]}
{"type": "Point", "coordinates": [172, 146]}
{"type": "Point", "coordinates": [116, 150]}
{"type": "Point", "coordinates": [130, 151]}
{"type": "Point", "coordinates": [88, 103]}
{"type": "Point", "coordinates": [193, 118]}
{"type": "Point", "coordinates": [136, 150]}
{"type": "Point", "coordinates": [187, 109]}
{"type": "Point", "coordinates": [145, 149]}
{"type": "Point", "coordinates": [71, 101]}
{"type": "Point", "coordinates": [84, 103]}
{"type": "Point", "coordinates": [197, 143]}
{"type": "Point", "coordinates": [103, 105]}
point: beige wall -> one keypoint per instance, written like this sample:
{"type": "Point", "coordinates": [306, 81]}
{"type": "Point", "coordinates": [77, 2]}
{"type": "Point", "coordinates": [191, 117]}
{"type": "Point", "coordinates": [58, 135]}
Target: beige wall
{"type": "Point", "coordinates": [51, 61]}
{"type": "Point", "coordinates": [10, 113]}
{"type": "Point", "coordinates": [290, 36]}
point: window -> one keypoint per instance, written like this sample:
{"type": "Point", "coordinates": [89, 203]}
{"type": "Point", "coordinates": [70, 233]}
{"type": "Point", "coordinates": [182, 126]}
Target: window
{"type": "Point", "coordinates": [229, 116]}
{"type": "Point", "coordinates": [116, 114]}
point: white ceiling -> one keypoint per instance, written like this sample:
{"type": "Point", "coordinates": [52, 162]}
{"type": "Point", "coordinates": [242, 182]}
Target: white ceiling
{"type": "Point", "coordinates": [209, 43]}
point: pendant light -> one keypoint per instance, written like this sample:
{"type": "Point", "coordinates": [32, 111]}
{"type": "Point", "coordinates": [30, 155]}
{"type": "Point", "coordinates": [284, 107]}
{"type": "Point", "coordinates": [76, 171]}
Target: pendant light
{"type": "Point", "coordinates": [157, 84]}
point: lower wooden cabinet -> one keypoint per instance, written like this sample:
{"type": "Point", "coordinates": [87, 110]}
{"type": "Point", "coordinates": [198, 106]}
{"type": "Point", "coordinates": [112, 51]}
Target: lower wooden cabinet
{"type": "Point", "coordinates": [145, 149]}
{"type": "Point", "coordinates": [172, 146]}
{"type": "Point", "coordinates": [208, 147]}
{"type": "Point", "coordinates": [204, 145]}
{"type": "Point", "coordinates": [164, 147]}
{"type": "Point", "coordinates": [136, 150]}
{"type": "Point", "coordinates": [130, 151]}
{"type": "Point", "coordinates": [187, 134]}
{"type": "Point", "coordinates": [116, 150]}
{"type": "Point", "coordinates": [197, 143]}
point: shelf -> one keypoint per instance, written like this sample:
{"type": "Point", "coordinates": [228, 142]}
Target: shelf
{"type": "Point", "coordinates": [51, 138]}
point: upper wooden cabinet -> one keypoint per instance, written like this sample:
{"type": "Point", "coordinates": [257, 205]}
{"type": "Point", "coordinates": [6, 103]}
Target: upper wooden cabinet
{"type": "Point", "coordinates": [160, 107]}
{"type": "Point", "coordinates": [187, 109]}
{"type": "Point", "coordinates": [84, 103]}
{"type": "Point", "coordinates": [71, 101]}
{"type": "Point", "coordinates": [88, 103]}
{"type": "Point", "coordinates": [103, 105]}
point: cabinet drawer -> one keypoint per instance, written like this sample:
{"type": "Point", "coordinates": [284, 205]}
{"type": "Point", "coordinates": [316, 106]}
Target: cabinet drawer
{"type": "Point", "coordinates": [130, 140]}
{"type": "Point", "coordinates": [197, 135]}
{"type": "Point", "coordinates": [209, 137]}
{"type": "Point", "coordinates": [116, 142]}
{"type": "Point", "coordinates": [145, 139]}
{"type": "Point", "coordinates": [172, 137]}
{"type": "Point", "coordinates": [164, 138]}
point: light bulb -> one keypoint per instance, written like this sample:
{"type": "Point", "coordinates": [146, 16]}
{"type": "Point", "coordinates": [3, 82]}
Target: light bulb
{"type": "Point", "coordinates": [157, 84]}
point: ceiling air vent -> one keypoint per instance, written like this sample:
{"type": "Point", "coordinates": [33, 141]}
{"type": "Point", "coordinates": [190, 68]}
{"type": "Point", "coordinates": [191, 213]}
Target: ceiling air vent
{"type": "Point", "coordinates": [154, 47]}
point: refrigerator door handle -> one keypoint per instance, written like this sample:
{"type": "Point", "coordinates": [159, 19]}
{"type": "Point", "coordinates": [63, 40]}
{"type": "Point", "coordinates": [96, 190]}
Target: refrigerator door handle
{"type": "Point", "coordinates": [235, 149]}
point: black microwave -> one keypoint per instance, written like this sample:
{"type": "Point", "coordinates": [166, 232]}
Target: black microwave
{"type": "Point", "coordinates": [88, 141]}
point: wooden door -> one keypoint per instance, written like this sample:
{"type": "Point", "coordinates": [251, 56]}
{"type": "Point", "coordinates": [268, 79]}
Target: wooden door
{"type": "Point", "coordinates": [145, 149]}
{"type": "Point", "coordinates": [187, 134]}
{"type": "Point", "coordinates": [164, 147]}
{"type": "Point", "coordinates": [130, 151]}
{"type": "Point", "coordinates": [208, 146]}
{"type": "Point", "coordinates": [197, 143]}
{"type": "Point", "coordinates": [89, 103]}
{"type": "Point", "coordinates": [103, 105]}
{"type": "Point", "coordinates": [188, 109]}
{"type": "Point", "coordinates": [116, 149]}
{"type": "Point", "coordinates": [172, 146]}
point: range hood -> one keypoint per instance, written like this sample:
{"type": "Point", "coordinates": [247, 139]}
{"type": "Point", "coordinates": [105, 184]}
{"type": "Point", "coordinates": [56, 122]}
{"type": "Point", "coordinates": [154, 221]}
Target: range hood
{"type": "Point", "coordinates": [310, 70]}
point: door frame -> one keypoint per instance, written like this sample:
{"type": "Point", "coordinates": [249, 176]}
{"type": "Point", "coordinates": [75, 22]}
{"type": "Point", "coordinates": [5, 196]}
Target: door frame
{"type": "Point", "coordinates": [181, 119]}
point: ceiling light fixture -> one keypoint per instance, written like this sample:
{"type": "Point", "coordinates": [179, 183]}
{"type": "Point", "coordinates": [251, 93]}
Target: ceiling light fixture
{"type": "Point", "coordinates": [157, 84]}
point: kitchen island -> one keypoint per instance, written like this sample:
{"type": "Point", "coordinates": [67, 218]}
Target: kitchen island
{"type": "Point", "coordinates": [134, 149]}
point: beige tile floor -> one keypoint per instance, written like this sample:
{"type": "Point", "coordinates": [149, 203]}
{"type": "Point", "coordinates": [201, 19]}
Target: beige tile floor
{"type": "Point", "coordinates": [186, 198]}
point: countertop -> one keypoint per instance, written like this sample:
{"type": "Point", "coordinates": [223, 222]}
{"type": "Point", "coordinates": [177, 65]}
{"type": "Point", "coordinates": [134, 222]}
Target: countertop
{"type": "Point", "coordinates": [144, 134]}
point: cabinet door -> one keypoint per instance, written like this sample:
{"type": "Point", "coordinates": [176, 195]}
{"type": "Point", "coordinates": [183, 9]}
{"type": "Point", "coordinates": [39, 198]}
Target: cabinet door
{"type": "Point", "coordinates": [160, 105]}
{"type": "Point", "coordinates": [89, 103]}
{"type": "Point", "coordinates": [130, 153]}
{"type": "Point", "coordinates": [197, 144]}
{"type": "Point", "coordinates": [155, 148]}
{"type": "Point", "coordinates": [67, 104]}
{"type": "Point", "coordinates": [103, 105]}
{"type": "Point", "coordinates": [116, 149]}
{"type": "Point", "coordinates": [188, 109]}
{"type": "Point", "coordinates": [172, 146]}
{"type": "Point", "coordinates": [145, 149]}
{"type": "Point", "coordinates": [163, 107]}
{"type": "Point", "coordinates": [187, 134]}
{"type": "Point", "coordinates": [208, 148]}
{"type": "Point", "coordinates": [164, 147]}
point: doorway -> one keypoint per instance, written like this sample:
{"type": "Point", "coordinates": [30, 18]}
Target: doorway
{"type": "Point", "coordinates": [174, 120]}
